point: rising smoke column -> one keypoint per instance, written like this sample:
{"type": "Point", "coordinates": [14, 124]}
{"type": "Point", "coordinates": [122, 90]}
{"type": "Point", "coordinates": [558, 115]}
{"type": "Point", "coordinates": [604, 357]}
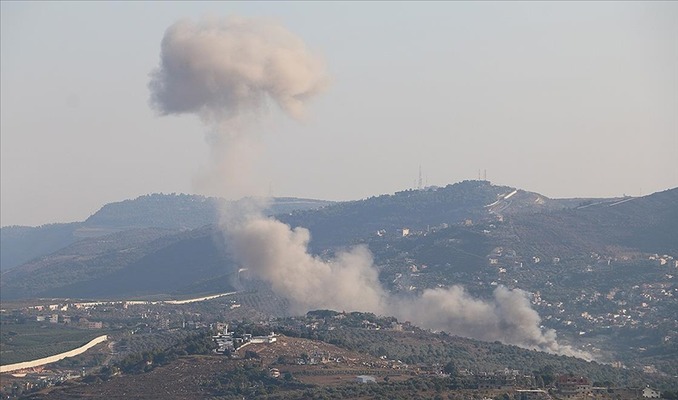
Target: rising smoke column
{"type": "Point", "coordinates": [280, 255]}
{"type": "Point", "coordinates": [226, 71]}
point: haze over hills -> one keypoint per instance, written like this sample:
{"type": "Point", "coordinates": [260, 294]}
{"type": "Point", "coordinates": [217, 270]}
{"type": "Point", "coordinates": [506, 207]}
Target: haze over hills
{"type": "Point", "coordinates": [422, 209]}
{"type": "Point", "coordinates": [171, 212]}
{"type": "Point", "coordinates": [526, 222]}
{"type": "Point", "coordinates": [646, 224]}
{"type": "Point", "coordinates": [594, 268]}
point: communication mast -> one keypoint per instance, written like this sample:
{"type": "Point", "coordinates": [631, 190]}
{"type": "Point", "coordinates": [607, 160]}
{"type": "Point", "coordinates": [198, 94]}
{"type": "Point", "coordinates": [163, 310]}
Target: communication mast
{"type": "Point", "coordinates": [419, 185]}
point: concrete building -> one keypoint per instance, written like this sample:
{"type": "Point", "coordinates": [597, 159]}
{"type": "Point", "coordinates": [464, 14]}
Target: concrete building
{"type": "Point", "coordinates": [570, 386]}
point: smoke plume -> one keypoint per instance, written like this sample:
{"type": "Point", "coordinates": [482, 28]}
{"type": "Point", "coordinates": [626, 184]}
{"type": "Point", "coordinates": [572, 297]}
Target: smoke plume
{"type": "Point", "coordinates": [225, 71]}
{"type": "Point", "coordinates": [279, 255]}
{"type": "Point", "coordinates": [274, 252]}
{"type": "Point", "coordinates": [220, 69]}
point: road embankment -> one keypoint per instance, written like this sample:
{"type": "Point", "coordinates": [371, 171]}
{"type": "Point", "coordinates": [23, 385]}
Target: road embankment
{"type": "Point", "coordinates": [54, 358]}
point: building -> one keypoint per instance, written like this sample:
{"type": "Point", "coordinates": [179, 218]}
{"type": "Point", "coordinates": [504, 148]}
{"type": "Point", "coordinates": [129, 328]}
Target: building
{"type": "Point", "coordinates": [365, 379]}
{"type": "Point", "coordinates": [570, 386]}
{"type": "Point", "coordinates": [264, 339]}
{"type": "Point", "coordinates": [94, 325]}
{"type": "Point", "coordinates": [650, 393]}
{"type": "Point", "coordinates": [492, 380]}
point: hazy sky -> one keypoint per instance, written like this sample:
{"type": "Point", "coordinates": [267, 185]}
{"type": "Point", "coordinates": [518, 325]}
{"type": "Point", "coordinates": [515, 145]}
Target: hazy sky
{"type": "Point", "coordinates": [569, 99]}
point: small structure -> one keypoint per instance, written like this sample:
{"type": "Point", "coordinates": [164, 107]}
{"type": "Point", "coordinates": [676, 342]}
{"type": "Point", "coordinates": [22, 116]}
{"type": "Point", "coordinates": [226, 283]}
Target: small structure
{"type": "Point", "coordinates": [650, 393]}
{"type": "Point", "coordinates": [365, 379]}
{"type": "Point", "coordinates": [264, 339]}
{"type": "Point", "coordinates": [94, 325]}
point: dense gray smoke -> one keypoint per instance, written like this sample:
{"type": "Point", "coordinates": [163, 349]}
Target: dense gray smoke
{"type": "Point", "coordinates": [278, 254]}
{"type": "Point", "coordinates": [509, 318]}
{"type": "Point", "coordinates": [224, 70]}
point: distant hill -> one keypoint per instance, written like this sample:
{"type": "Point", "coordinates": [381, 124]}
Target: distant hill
{"type": "Point", "coordinates": [170, 265]}
{"type": "Point", "coordinates": [180, 211]}
{"type": "Point", "coordinates": [646, 224]}
{"type": "Point", "coordinates": [341, 224]}
{"type": "Point", "coordinates": [183, 211]}
{"type": "Point", "coordinates": [464, 221]}
{"type": "Point", "coordinates": [21, 244]}
{"type": "Point", "coordinates": [136, 263]}
{"type": "Point", "coordinates": [81, 261]}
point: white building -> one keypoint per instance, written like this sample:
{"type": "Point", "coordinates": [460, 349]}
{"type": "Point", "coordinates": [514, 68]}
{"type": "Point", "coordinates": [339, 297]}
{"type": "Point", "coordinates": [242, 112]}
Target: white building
{"type": "Point", "coordinates": [365, 379]}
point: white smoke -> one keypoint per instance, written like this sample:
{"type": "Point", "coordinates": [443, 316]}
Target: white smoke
{"type": "Point", "coordinates": [225, 71]}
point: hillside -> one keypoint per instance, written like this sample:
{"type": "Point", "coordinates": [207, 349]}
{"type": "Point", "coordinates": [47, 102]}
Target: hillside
{"type": "Point", "coordinates": [320, 355]}
{"type": "Point", "coordinates": [182, 211]}
{"type": "Point", "coordinates": [138, 262]}
{"type": "Point", "coordinates": [84, 260]}
{"type": "Point", "coordinates": [90, 270]}
{"type": "Point", "coordinates": [453, 230]}
{"type": "Point", "coordinates": [644, 224]}
{"type": "Point", "coordinates": [190, 262]}
{"type": "Point", "coordinates": [478, 201]}
{"type": "Point", "coordinates": [21, 244]}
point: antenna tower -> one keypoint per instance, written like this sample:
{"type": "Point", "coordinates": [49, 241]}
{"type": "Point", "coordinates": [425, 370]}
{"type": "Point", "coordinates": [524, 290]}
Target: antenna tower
{"type": "Point", "coordinates": [419, 186]}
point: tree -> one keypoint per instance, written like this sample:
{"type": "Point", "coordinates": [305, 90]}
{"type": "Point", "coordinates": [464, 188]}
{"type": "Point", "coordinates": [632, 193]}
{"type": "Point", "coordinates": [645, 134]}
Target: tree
{"type": "Point", "coordinates": [451, 368]}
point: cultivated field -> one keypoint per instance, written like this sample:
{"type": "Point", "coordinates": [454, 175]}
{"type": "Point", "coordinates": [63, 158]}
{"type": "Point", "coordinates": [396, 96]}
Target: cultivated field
{"type": "Point", "coordinates": [24, 342]}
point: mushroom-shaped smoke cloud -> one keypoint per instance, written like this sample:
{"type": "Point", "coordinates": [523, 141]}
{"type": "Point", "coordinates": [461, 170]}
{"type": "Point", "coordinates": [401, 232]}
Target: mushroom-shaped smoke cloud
{"type": "Point", "coordinates": [222, 68]}
{"type": "Point", "coordinates": [227, 71]}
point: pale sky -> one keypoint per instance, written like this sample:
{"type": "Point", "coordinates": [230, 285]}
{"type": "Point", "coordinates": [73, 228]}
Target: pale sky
{"type": "Point", "coordinates": [571, 99]}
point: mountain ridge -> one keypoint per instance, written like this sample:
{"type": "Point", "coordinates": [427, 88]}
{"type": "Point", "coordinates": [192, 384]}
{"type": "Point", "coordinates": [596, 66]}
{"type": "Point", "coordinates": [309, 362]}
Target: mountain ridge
{"type": "Point", "coordinates": [21, 244]}
{"type": "Point", "coordinates": [483, 215]}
